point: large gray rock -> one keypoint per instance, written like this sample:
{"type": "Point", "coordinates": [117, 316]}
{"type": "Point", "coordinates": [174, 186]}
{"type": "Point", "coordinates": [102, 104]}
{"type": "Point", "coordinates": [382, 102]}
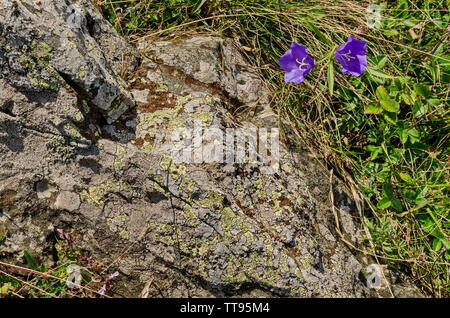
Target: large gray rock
{"type": "Point", "coordinates": [84, 150]}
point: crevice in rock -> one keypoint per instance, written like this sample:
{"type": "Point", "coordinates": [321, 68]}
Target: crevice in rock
{"type": "Point", "coordinates": [95, 124]}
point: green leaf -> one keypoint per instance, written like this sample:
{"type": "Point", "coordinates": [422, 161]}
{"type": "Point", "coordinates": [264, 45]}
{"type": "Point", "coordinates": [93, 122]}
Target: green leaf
{"type": "Point", "coordinates": [437, 245]}
{"type": "Point", "coordinates": [414, 135]}
{"type": "Point", "coordinates": [406, 177]}
{"type": "Point", "coordinates": [427, 223]}
{"type": "Point", "coordinates": [409, 23]}
{"type": "Point", "coordinates": [374, 108]}
{"type": "Point", "coordinates": [396, 204]}
{"type": "Point", "coordinates": [390, 32]}
{"type": "Point", "coordinates": [390, 105]}
{"type": "Point", "coordinates": [403, 134]}
{"type": "Point", "coordinates": [379, 74]}
{"type": "Point", "coordinates": [382, 62]}
{"type": "Point", "coordinates": [419, 109]}
{"type": "Point", "coordinates": [422, 90]}
{"type": "Point", "coordinates": [434, 102]}
{"type": "Point", "coordinates": [408, 99]}
{"type": "Point", "coordinates": [390, 117]}
{"type": "Point", "coordinates": [330, 77]}
{"type": "Point", "coordinates": [384, 203]}
{"type": "Point", "coordinates": [374, 151]}
{"type": "Point", "coordinates": [388, 190]}
{"type": "Point", "coordinates": [30, 260]}
{"type": "Point", "coordinates": [382, 93]}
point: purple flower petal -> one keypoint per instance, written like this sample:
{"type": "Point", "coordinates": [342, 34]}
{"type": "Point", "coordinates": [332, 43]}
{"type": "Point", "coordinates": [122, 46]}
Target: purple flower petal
{"type": "Point", "coordinates": [352, 56]}
{"type": "Point", "coordinates": [109, 277]}
{"type": "Point", "coordinates": [102, 290]}
{"type": "Point", "coordinates": [296, 62]}
{"type": "Point", "coordinates": [294, 76]}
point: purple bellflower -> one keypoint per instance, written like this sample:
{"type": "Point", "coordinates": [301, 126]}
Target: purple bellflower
{"type": "Point", "coordinates": [352, 56]}
{"type": "Point", "coordinates": [296, 62]}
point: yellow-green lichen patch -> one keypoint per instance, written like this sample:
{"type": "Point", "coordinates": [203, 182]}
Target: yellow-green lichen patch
{"type": "Point", "coordinates": [203, 117]}
{"type": "Point", "coordinates": [73, 131]}
{"type": "Point", "coordinates": [243, 269]}
{"type": "Point", "coordinates": [307, 262]}
{"type": "Point", "coordinates": [40, 72]}
{"type": "Point", "coordinates": [69, 33]}
{"type": "Point", "coordinates": [26, 61]}
{"type": "Point", "coordinates": [249, 237]}
{"type": "Point", "coordinates": [299, 200]}
{"type": "Point", "coordinates": [187, 185]}
{"type": "Point", "coordinates": [189, 216]}
{"type": "Point", "coordinates": [41, 50]}
{"type": "Point", "coordinates": [73, 45]}
{"type": "Point", "coordinates": [97, 194]}
{"type": "Point", "coordinates": [124, 234]}
{"type": "Point", "coordinates": [119, 160]}
{"type": "Point", "coordinates": [81, 72]}
{"type": "Point", "coordinates": [286, 167]}
{"type": "Point", "coordinates": [212, 201]}
{"type": "Point", "coordinates": [175, 171]}
{"type": "Point", "coordinates": [79, 116]}
{"type": "Point", "coordinates": [158, 118]}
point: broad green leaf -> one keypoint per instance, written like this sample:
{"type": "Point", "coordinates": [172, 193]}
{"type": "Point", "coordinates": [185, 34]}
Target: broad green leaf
{"type": "Point", "coordinates": [422, 90]}
{"type": "Point", "coordinates": [434, 102]}
{"type": "Point", "coordinates": [374, 151]}
{"type": "Point", "coordinates": [384, 203]}
{"type": "Point", "coordinates": [30, 260]}
{"type": "Point", "coordinates": [437, 234]}
{"type": "Point", "coordinates": [414, 135]}
{"type": "Point", "coordinates": [390, 105]}
{"type": "Point", "coordinates": [330, 77]}
{"type": "Point", "coordinates": [382, 93]}
{"type": "Point", "coordinates": [388, 190]}
{"type": "Point", "coordinates": [437, 245]}
{"type": "Point", "coordinates": [396, 204]}
{"type": "Point", "coordinates": [419, 109]}
{"type": "Point", "coordinates": [427, 223]}
{"type": "Point", "coordinates": [382, 62]}
{"type": "Point", "coordinates": [379, 61]}
{"type": "Point", "coordinates": [408, 99]}
{"type": "Point", "coordinates": [406, 177]}
{"type": "Point", "coordinates": [390, 117]}
{"type": "Point", "coordinates": [374, 108]}
{"type": "Point", "coordinates": [403, 134]}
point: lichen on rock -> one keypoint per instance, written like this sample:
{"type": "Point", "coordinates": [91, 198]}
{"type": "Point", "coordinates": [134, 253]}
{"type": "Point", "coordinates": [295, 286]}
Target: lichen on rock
{"type": "Point", "coordinates": [193, 228]}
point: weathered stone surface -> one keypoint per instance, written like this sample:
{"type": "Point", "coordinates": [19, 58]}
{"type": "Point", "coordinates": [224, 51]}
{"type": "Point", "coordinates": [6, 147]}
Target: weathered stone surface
{"type": "Point", "coordinates": [203, 229]}
{"type": "Point", "coordinates": [46, 45]}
